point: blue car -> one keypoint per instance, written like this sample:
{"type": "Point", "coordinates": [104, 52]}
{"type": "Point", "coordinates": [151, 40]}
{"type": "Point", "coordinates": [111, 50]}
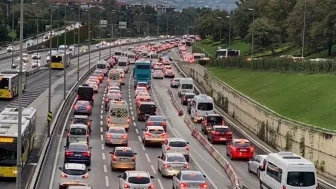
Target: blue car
{"type": "Point", "coordinates": [83, 107]}
{"type": "Point", "coordinates": [77, 153]}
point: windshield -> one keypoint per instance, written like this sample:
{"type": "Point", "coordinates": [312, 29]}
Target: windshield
{"type": "Point", "coordinates": [125, 153]}
{"type": "Point", "coordinates": [78, 131]}
{"type": "Point", "coordinates": [233, 53]}
{"type": "Point", "coordinates": [101, 66]}
{"type": "Point", "coordinates": [131, 56]}
{"type": "Point", "coordinates": [197, 57]}
{"type": "Point", "coordinates": [176, 159]}
{"type": "Point", "coordinates": [189, 96]}
{"type": "Point", "coordinates": [117, 53]}
{"type": "Point", "coordinates": [301, 179]}
{"type": "Point", "coordinates": [154, 56]}
{"type": "Point", "coordinates": [177, 144]}
{"type": "Point", "coordinates": [8, 157]}
{"type": "Point", "coordinates": [205, 106]}
{"type": "Point", "coordinates": [147, 107]}
{"type": "Point", "coordinates": [215, 119]}
{"type": "Point", "coordinates": [139, 180]}
{"type": "Point", "coordinates": [80, 120]}
{"type": "Point", "coordinates": [77, 147]}
{"type": "Point", "coordinates": [193, 177]}
{"type": "Point", "coordinates": [143, 67]}
{"type": "Point", "coordinates": [122, 64]}
{"type": "Point", "coordinates": [56, 59]}
{"type": "Point", "coordinates": [74, 172]}
{"type": "Point", "coordinates": [4, 83]}
{"type": "Point", "coordinates": [156, 131]}
{"type": "Point", "coordinates": [243, 145]}
{"type": "Point", "coordinates": [187, 86]}
{"type": "Point", "coordinates": [222, 130]}
{"type": "Point", "coordinates": [116, 130]}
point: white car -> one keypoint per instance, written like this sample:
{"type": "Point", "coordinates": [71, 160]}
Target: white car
{"type": "Point", "coordinates": [158, 74]}
{"type": "Point", "coordinates": [153, 135]}
{"type": "Point", "coordinates": [36, 63]}
{"type": "Point", "coordinates": [169, 164]}
{"type": "Point", "coordinates": [36, 56]}
{"type": "Point", "coordinates": [135, 180]}
{"type": "Point", "coordinates": [176, 145]}
{"type": "Point", "coordinates": [189, 180]}
{"type": "Point", "coordinates": [94, 86]}
{"type": "Point", "coordinates": [10, 48]}
{"type": "Point", "coordinates": [253, 164]}
{"type": "Point", "coordinates": [73, 173]}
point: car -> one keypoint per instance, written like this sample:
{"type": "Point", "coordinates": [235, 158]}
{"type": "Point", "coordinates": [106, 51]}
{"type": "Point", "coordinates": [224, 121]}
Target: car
{"type": "Point", "coordinates": [79, 186]}
{"type": "Point", "coordinates": [142, 84]}
{"type": "Point", "coordinates": [255, 163]}
{"type": "Point", "coordinates": [113, 83]}
{"type": "Point", "coordinates": [36, 63]}
{"type": "Point", "coordinates": [99, 76]}
{"type": "Point", "coordinates": [101, 71]}
{"type": "Point", "coordinates": [83, 107]}
{"type": "Point", "coordinates": [36, 56]}
{"type": "Point", "coordinates": [145, 109]}
{"type": "Point", "coordinates": [123, 158]}
{"type": "Point", "coordinates": [25, 57]}
{"type": "Point", "coordinates": [209, 120]}
{"type": "Point", "coordinates": [116, 136]}
{"type": "Point", "coordinates": [144, 95]}
{"type": "Point", "coordinates": [77, 133]}
{"type": "Point", "coordinates": [111, 96]}
{"type": "Point", "coordinates": [239, 149]}
{"type": "Point", "coordinates": [93, 80]}
{"type": "Point", "coordinates": [219, 134]}
{"type": "Point", "coordinates": [10, 48]}
{"type": "Point", "coordinates": [115, 93]}
{"type": "Point", "coordinates": [175, 83]}
{"type": "Point", "coordinates": [187, 179]}
{"type": "Point", "coordinates": [114, 88]}
{"type": "Point", "coordinates": [158, 74]}
{"type": "Point", "coordinates": [186, 97]}
{"type": "Point", "coordinates": [176, 145]}
{"type": "Point", "coordinates": [153, 135]}
{"type": "Point", "coordinates": [158, 66]}
{"type": "Point", "coordinates": [82, 119]}
{"type": "Point", "coordinates": [77, 153]}
{"type": "Point", "coordinates": [140, 89]}
{"type": "Point", "coordinates": [169, 164]}
{"type": "Point", "coordinates": [94, 86]}
{"type": "Point", "coordinates": [157, 120]}
{"type": "Point", "coordinates": [74, 174]}
{"type": "Point", "coordinates": [135, 179]}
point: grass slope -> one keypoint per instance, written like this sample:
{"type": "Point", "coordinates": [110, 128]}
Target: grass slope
{"type": "Point", "coordinates": [306, 98]}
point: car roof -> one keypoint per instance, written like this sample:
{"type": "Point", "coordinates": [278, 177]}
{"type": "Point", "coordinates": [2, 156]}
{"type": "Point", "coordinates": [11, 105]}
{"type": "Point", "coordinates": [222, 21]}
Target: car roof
{"type": "Point", "coordinates": [155, 127]}
{"type": "Point", "coordinates": [123, 148]}
{"type": "Point", "coordinates": [137, 173]}
{"type": "Point", "coordinates": [191, 172]}
{"type": "Point", "coordinates": [78, 144]}
{"type": "Point", "coordinates": [116, 128]}
{"type": "Point", "coordinates": [81, 116]}
{"type": "Point", "coordinates": [170, 154]}
{"type": "Point", "coordinates": [145, 102]}
{"type": "Point", "coordinates": [240, 141]}
{"type": "Point", "coordinates": [82, 101]}
{"type": "Point", "coordinates": [189, 94]}
{"type": "Point", "coordinates": [78, 166]}
{"type": "Point", "coordinates": [141, 82]}
{"type": "Point", "coordinates": [213, 115]}
{"type": "Point", "coordinates": [154, 116]}
{"type": "Point", "coordinates": [141, 88]}
{"type": "Point", "coordinates": [176, 139]}
{"type": "Point", "coordinates": [220, 126]}
{"type": "Point", "coordinates": [78, 125]}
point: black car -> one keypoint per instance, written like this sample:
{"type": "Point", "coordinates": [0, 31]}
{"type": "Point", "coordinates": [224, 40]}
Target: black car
{"type": "Point", "coordinates": [85, 92]}
{"type": "Point", "coordinates": [187, 97]}
{"type": "Point", "coordinates": [77, 153]}
{"type": "Point", "coordinates": [146, 109]}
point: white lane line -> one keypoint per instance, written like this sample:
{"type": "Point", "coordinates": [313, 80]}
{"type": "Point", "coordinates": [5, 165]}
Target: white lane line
{"type": "Point", "coordinates": [153, 169]}
{"type": "Point", "coordinates": [101, 111]}
{"type": "Point", "coordinates": [102, 106]}
{"type": "Point", "coordinates": [103, 146]}
{"type": "Point", "coordinates": [136, 130]}
{"type": "Point", "coordinates": [101, 122]}
{"type": "Point", "coordinates": [101, 129]}
{"type": "Point", "coordinates": [132, 113]}
{"type": "Point", "coordinates": [129, 92]}
{"type": "Point", "coordinates": [130, 103]}
{"type": "Point", "coordinates": [143, 147]}
{"type": "Point", "coordinates": [139, 138]}
{"type": "Point", "coordinates": [147, 158]}
{"type": "Point", "coordinates": [107, 181]}
{"type": "Point", "coordinates": [134, 124]}
{"type": "Point", "coordinates": [133, 118]}
{"type": "Point", "coordinates": [160, 183]}
{"type": "Point", "coordinates": [101, 137]}
{"type": "Point", "coordinates": [105, 169]}
{"type": "Point", "coordinates": [101, 116]}
{"type": "Point", "coordinates": [130, 107]}
{"type": "Point", "coordinates": [129, 96]}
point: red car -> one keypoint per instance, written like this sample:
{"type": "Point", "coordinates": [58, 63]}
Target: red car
{"type": "Point", "coordinates": [239, 149]}
{"type": "Point", "coordinates": [220, 134]}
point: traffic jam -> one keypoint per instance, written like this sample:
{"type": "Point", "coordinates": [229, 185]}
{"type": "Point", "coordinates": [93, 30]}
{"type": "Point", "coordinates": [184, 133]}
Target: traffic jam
{"type": "Point", "coordinates": [144, 64]}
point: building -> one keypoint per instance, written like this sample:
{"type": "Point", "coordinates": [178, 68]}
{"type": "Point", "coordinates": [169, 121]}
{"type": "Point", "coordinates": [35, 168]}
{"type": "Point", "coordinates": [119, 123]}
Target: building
{"type": "Point", "coordinates": [84, 3]}
{"type": "Point", "coordinates": [163, 9]}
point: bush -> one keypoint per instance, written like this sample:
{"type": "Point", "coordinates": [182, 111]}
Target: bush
{"type": "Point", "coordinates": [203, 62]}
{"type": "Point", "coordinates": [277, 64]}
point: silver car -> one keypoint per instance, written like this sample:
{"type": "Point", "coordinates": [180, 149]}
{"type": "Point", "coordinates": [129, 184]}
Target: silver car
{"type": "Point", "coordinates": [74, 174]}
{"type": "Point", "coordinates": [135, 180]}
{"type": "Point", "coordinates": [36, 56]}
{"type": "Point", "coordinates": [169, 164]}
{"type": "Point", "coordinates": [123, 158]}
{"type": "Point", "coordinates": [116, 136]}
{"type": "Point", "coordinates": [176, 145]}
{"type": "Point", "coordinates": [158, 74]}
{"type": "Point", "coordinates": [255, 163]}
{"type": "Point", "coordinates": [153, 135]}
{"type": "Point", "coordinates": [175, 83]}
{"type": "Point", "coordinates": [190, 180]}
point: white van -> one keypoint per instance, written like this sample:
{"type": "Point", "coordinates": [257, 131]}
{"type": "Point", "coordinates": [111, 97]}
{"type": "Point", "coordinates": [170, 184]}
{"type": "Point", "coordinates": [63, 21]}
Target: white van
{"type": "Point", "coordinates": [200, 105]}
{"type": "Point", "coordinates": [186, 86]}
{"type": "Point", "coordinates": [287, 170]}
{"type": "Point", "coordinates": [118, 115]}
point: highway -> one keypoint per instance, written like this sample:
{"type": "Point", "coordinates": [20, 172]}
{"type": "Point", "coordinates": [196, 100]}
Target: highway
{"type": "Point", "coordinates": [102, 177]}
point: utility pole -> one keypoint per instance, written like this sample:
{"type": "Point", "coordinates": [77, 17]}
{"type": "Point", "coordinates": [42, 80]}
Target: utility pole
{"type": "Point", "coordinates": [37, 32]}
{"type": "Point", "coordinates": [158, 26]}
{"type": "Point", "coordinates": [111, 35]}
{"type": "Point", "coordinates": [58, 26]}
{"type": "Point", "coordinates": [100, 35]}
{"type": "Point", "coordinates": [304, 29]}
{"type": "Point", "coordinates": [49, 89]}
{"type": "Point", "coordinates": [252, 43]}
{"type": "Point", "coordinates": [167, 25]}
{"type": "Point", "coordinates": [78, 39]}
{"type": "Point", "coordinates": [89, 36]}
{"type": "Point", "coordinates": [65, 42]}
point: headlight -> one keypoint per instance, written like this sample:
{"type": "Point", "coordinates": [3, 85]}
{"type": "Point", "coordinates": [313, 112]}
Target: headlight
{"type": "Point", "coordinates": [14, 172]}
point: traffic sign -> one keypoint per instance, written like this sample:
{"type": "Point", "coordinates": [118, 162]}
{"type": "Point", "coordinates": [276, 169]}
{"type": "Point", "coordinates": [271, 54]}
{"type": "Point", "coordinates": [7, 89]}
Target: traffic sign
{"type": "Point", "coordinates": [122, 25]}
{"type": "Point", "coordinates": [49, 117]}
{"type": "Point", "coordinates": [103, 23]}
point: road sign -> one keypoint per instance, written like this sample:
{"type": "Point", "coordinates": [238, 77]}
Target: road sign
{"type": "Point", "coordinates": [49, 117]}
{"type": "Point", "coordinates": [122, 25]}
{"type": "Point", "coordinates": [103, 23]}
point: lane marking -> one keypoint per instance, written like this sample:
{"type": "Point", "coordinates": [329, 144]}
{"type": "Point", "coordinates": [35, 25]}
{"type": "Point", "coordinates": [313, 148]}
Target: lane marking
{"type": "Point", "coordinates": [102, 106]}
{"type": "Point", "coordinates": [101, 111]}
{"type": "Point", "coordinates": [147, 158]}
{"type": "Point", "coordinates": [139, 138]}
{"type": "Point", "coordinates": [101, 122]}
{"type": "Point", "coordinates": [107, 181]}
{"type": "Point", "coordinates": [130, 107]}
{"type": "Point", "coordinates": [132, 112]}
{"type": "Point", "coordinates": [103, 155]}
{"type": "Point", "coordinates": [103, 146]}
{"type": "Point", "coordinates": [136, 130]}
{"type": "Point", "coordinates": [160, 183]}
{"type": "Point", "coordinates": [134, 124]}
{"type": "Point", "coordinates": [101, 129]}
{"type": "Point", "coordinates": [101, 116]}
{"type": "Point", "coordinates": [133, 118]}
{"type": "Point", "coordinates": [142, 146]}
{"type": "Point", "coordinates": [153, 169]}
{"type": "Point", "coordinates": [101, 137]}
{"type": "Point", "coordinates": [130, 103]}
{"type": "Point", "coordinates": [105, 169]}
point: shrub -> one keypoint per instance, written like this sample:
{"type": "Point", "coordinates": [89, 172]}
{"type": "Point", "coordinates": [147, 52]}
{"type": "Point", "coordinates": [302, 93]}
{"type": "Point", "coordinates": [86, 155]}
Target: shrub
{"type": "Point", "coordinates": [203, 62]}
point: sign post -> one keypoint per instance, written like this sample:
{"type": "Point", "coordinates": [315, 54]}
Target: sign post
{"type": "Point", "coordinates": [122, 25]}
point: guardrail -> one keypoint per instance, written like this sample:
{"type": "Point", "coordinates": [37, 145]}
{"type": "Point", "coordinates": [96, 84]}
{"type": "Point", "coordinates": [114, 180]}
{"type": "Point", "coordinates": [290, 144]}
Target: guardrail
{"type": "Point", "coordinates": [263, 148]}
{"type": "Point", "coordinates": [66, 104]}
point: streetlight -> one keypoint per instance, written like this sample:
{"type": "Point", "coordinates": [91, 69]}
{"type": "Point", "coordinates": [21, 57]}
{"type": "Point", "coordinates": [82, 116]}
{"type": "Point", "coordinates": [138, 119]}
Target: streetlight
{"type": "Point", "coordinates": [89, 36]}
{"type": "Point", "coordinates": [304, 28]}
{"type": "Point", "coordinates": [158, 26]}
{"type": "Point", "coordinates": [78, 41]}
{"type": "Point", "coordinates": [229, 30]}
{"type": "Point", "coordinates": [167, 24]}
{"type": "Point", "coordinates": [37, 30]}
{"type": "Point", "coordinates": [58, 21]}
{"type": "Point", "coordinates": [65, 42]}
{"type": "Point", "coordinates": [100, 33]}
{"type": "Point", "coordinates": [50, 49]}
{"type": "Point", "coordinates": [220, 28]}
{"type": "Point", "coordinates": [250, 9]}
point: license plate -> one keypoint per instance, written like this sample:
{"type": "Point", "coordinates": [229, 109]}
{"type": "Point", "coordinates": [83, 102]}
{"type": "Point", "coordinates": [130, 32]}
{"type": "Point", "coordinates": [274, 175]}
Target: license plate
{"type": "Point", "coordinates": [222, 138]}
{"type": "Point", "coordinates": [78, 155]}
{"type": "Point", "coordinates": [116, 141]}
{"type": "Point", "coordinates": [243, 150]}
{"type": "Point", "coordinates": [146, 114]}
{"type": "Point", "coordinates": [123, 159]}
{"type": "Point", "coordinates": [139, 188]}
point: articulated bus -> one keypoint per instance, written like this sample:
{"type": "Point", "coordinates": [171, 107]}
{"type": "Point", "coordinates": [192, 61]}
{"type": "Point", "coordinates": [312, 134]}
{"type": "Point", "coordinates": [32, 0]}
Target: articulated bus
{"type": "Point", "coordinates": [9, 83]}
{"type": "Point", "coordinates": [142, 72]}
{"type": "Point", "coordinates": [8, 142]}
{"type": "Point", "coordinates": [60, 61]}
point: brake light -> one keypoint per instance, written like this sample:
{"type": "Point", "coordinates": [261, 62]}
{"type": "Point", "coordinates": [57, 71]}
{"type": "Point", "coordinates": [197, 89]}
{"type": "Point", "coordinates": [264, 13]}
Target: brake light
{"type": "Point", "coordinates": [149, 123]}
{"type": "Point", "coordinates": [183, 185]}
{"type": "Point", "coordinates": [77, 96]}
{"type": "Point", "coordinates": [203, 185]}
{"type": "Point", "coordinates": [88, 107]}
{"type": "Point", "coordinates": [114, 158]}
{"type": "Point", "coordinates": [133, 159]}
{"type": "Point", "coordinates": [164, 135]}
{"type": "Point", "coordinates": [215, 133]}
{"type": "Point", "coordinates": [124, 136]}
{"type": "Point", "coordinates": [109, 136]}
{"type": "Point", "coordinates": [126, 186]}
{"type": "Point", "coordinates": [186, 166]}
{"type": "Point", "coordinates": [75, 107]}
{"type": "Point", "coordinates": [107, 100]}
{"type": "Point", "coordinates": [251, 149]}
{"type": "Point", "coordinates": [205, 121]}
{"type": "Point", "coordinates": [229, 133]}
{"type": "Point", "coordinates": [166, 165]}
{"type": "Point", "coordinates": [68, 153]}
{"type": "Point", "coordinates": [86, 154]}
{"type": "Point", "coordinates": [85, 176]}
{"type": "Point", "coordinates": [128, 120]}
{"type": "Point", "coordinates": [92, 97]}
{"type": "Point", "coordinates": [233, 148]}
{"type": "Point", "coordinates": [151, 187]}
{"type": "Point", "coordinates": [108, 119]}
{"type": "Point", "coordinates": [64, 176]}
{"type": "Point", "coordinates": [196, 113]}
{"type": "Point", "coordinates": [186, 148]}
{"type": "Point", "coordinates": [163, 124]}
{"type": "Point", "coordinates": [283, 187]}
{"type": "Point", "coordinates": [148, 134]}
{"type": "Point", "coordinates": [168, 148]}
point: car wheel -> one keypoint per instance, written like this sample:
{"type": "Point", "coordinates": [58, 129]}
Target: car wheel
{"type": "Point", "coordinates": [249, 168]}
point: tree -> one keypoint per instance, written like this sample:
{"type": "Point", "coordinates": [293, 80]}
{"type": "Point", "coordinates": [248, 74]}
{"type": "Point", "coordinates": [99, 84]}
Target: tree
{"type": "Point", "coordinates": [266, 34]}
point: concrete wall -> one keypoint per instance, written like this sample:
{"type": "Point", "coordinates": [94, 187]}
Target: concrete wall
{"type": "Point", "coordinates": [315, 144]}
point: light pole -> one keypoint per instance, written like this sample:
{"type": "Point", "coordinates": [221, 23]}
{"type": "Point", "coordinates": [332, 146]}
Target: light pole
{"type": "Point", "coordinates": [78, 41]}
{"type": "Point", "coordinates": [220, 28]}
{"type": "Point", "coordinates": [58, 21]}
{"type": "Point", "coordinates": [167, 24]}
{"type": "Point", "coordinates": [100, 34]}
{"type": "Point", "coordinates": [304, 28]}
{"type": "Point", "coordinates": [229, 30]}
{"type": "Point", "coordinates": [65, 42]}
{"type": "Point", "coordinates": [89, 36]}
{"type": "Point", "coordinates": [158, 26]}
{"type": "Point", "coordinates": [252, 43]}
{"type": "Point", "coordinates": [49, 89]}
{"type": "Point", "coordinates": [18, 150]}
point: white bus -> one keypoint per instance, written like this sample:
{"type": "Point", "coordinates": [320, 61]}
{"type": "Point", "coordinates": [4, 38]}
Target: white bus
{"type": "Point", "coordinates": [225, 53]}
{"type": "Point", "coordinates": [186, 86]}
{"type": "Point", "coordinates": [201, 105]}
{"type": "Point", "coordinates": [118, 115]}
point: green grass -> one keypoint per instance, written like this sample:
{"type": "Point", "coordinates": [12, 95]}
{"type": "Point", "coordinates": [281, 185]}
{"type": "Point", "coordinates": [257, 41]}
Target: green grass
{"type": "Point", "coordinates": [306, 98]}
{"type": "Point", "coordinates": [211, 47]}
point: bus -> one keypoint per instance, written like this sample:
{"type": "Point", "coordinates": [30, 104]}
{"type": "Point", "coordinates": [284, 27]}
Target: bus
{"type": "Point", "coordinates": [60, 61]}
{"type": "Point", "coordinates": [224, 53]}
{"type": "Point", "coordinates": [9, 83]}
{"type": "Point", "coordinates": [142, 72]}
{"type": "Point", "coordinates": [8, 143]}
